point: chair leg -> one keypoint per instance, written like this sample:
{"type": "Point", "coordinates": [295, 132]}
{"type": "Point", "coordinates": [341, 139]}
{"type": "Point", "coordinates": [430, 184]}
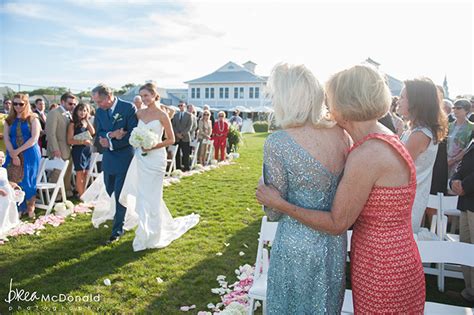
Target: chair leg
{"type": "Point", "coordinates": [440, 268]}
{"type": "Point", "coordinates": [251, 306]}
{"type": "Point", "coordinates": [63, 193]}
{"type": "Point", "coordinates": [264, 307]}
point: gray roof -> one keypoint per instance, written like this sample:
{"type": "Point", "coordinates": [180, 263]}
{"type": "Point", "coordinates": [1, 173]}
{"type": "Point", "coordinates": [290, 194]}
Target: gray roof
{"type": "Point", "coordinates": [229, 73]}
{"type": "Point", "coordinates": [395, 85]}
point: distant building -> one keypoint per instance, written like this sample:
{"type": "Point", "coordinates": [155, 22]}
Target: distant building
{"type": "Point", "coordinates": [167, 96]}
{"type": "Point", "coordinates": [229, 87]}
{"type": "Point", "coordinates": [394, 84]}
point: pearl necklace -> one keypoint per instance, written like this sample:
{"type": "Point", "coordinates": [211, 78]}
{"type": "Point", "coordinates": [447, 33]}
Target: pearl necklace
{"type": "Point", "coordinates": [219, 126]}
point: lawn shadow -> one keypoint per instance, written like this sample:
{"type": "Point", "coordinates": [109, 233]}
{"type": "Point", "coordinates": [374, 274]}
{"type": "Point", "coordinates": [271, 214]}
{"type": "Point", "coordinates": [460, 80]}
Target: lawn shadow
{"type": "Point", "coordinates": [63, 266]}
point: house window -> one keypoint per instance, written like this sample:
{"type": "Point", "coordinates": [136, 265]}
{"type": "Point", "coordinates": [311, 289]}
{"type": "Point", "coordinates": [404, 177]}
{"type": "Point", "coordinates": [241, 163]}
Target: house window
{"type": "Point", "coordinates": [251, 92]}
{"type": "Point", "coordinates": [198, 92]}
{"type": "Point", "coordinates": [212, 92]}
{"type": "Point", "coordinates": [193, 92]}
{"type": "Point", "coordinates": [221, 92]}
{"type": "Point", "coordinates": [226, 92]}
{"type": "Point", "coordinates": [206, 93]}
{"type": "Point", "coordinates": [257, 92]}
{"type": "Point", "coordinates": [238, 92]}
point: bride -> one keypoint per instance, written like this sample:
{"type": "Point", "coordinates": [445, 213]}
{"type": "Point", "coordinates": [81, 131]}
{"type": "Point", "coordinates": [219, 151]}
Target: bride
{"type": "Point", "coordinates": [143, 185]}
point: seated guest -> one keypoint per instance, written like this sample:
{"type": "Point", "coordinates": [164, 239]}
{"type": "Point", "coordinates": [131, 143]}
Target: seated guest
{"type": "Point", "coordinates": [462, 184]}
{"type": "Point", "coordinates": [79, 135]}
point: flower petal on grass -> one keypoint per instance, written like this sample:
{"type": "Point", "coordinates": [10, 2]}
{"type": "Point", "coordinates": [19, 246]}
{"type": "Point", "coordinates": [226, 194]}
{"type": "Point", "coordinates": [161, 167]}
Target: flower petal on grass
{"type": "Point", "coordinates": [226, 244]}
{"type": "Point", "coordinates": [241, 254]}
{"type": "Point", "coordinates": [107, 282]}
{"type": "Point", "coordinates": [219, 254]}
{"type": "Point", "coordinates": [187, 308]}
{"type": "Point", "coordinates": [159, 280]}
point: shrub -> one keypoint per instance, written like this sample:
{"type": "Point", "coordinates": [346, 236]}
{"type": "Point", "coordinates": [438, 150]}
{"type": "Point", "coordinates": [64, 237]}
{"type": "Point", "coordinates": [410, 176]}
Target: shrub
{"type": "Point", "coordinates": [234, 137]}
{"type": "Point", "coordinates": [260, 126]}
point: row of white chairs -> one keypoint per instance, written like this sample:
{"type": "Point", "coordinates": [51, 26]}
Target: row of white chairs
{"type": "Point", "coordinates": [49, 191]}
{"type": "Point", "coordinates": [173, 150]}
{"type": "Point", "coordinates": [436, 251]}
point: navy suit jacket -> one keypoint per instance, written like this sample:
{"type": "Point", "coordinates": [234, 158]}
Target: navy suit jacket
{"type": "Point", "coordinates": [116, 161]}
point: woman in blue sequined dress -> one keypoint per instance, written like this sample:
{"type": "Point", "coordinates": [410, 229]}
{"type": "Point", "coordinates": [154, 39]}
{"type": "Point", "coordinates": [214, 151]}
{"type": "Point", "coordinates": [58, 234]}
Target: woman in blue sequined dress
{"type": "Point", "coordinates": [304, 161]}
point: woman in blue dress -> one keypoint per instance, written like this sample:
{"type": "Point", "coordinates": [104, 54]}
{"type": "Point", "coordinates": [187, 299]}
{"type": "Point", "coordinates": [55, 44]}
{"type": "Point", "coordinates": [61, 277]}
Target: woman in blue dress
{"type": "Point", "coordinates": [22, 129]}
{"type": "Point", "coordinates": [79, 135]}
{"type": "Point", "coordinates": [304, 161]}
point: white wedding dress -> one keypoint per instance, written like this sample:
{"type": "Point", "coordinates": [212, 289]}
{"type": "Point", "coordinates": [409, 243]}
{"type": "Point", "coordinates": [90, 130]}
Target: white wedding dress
{"type": "Point", "coordinates": [142, 195]}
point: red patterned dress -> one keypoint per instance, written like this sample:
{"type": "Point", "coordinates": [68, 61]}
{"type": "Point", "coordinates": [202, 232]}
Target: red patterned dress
{"type": "Point", "coordinates": [386, 271]}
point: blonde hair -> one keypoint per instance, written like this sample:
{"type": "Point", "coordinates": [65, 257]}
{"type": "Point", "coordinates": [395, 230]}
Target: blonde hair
{"type": "Point", "coordinates": [221, 113]}
{"type": "Point", "coordinates": [359, 93]}
{"type": "Point", "coordinates": [297, 97]}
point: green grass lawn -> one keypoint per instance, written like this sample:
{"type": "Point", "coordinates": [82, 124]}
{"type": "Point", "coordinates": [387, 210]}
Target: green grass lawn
{"type": "Point", "coordinates": [70, 259]}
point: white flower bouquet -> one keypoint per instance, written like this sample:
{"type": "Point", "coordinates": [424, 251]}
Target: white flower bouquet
{"type": "Point", "coordinates": [64, 209]}
{"type": "Point", "coordinates": [83, 136]}
{"type": "Point", "coordinates": [142, 137]}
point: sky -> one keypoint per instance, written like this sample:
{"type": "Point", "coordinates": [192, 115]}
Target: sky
{"type": "Point", "coordinates": [79, 43]}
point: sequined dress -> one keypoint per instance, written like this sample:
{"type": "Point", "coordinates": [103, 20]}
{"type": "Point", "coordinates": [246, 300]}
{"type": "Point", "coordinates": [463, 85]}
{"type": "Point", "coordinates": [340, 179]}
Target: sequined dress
{"type": "Point", "coordinates": [307, 267]}
{"type": "Point", "coordinates": [386, 271]}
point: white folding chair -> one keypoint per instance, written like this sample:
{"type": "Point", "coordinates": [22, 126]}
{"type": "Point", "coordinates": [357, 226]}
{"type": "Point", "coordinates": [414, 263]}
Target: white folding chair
{"type": "Point", "coordinates": [43, 186]}
{"type": "Point", "coordinates": [41, 177]}
{"type": "Point", "coordinates": [445, 206]}
{"type": "Point", "coordinates": [258, 291]}
{"type": "Point", "coordinates": [210, 152]}
{"type": "Point", "coordinates": [173, 149]}
{"type": "Point", "coordinates": [194, 152]}
{"type": "Point", "coordinates": [439, 252]}
{"type": "Point", "coordinates": [93, 171]}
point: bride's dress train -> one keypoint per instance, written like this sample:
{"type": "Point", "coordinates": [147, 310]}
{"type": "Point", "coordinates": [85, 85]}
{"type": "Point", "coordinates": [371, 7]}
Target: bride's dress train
{"type": "Point", "coordinates": [142, 194]}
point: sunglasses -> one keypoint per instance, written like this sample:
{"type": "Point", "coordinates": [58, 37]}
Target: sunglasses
{"type": "Point", "coordinates": [72, 104]}
{"type": "Point", "coordinates": [18, 104]}
{"type": "Point", "coordinates": [206, 115]}
{"type": "Point", "coordinates": [458, 107]}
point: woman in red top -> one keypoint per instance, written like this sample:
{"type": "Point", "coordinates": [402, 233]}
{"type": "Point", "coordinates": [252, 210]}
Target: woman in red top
{"type": "Point", "coordinates": [219, 135]}
{"type": "Point", "coordinates": [375, 194]}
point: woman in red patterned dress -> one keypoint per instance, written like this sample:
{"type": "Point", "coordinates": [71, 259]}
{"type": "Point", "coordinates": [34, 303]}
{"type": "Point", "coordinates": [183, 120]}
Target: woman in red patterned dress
{"type": "Point", "coordinates": [375, 194]}
{"type": "Point", "coordinates": [219, 135]}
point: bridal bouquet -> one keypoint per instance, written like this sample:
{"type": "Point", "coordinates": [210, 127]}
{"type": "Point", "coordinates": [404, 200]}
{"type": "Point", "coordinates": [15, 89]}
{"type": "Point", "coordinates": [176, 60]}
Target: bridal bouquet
{"type": "Point", "coordinates": [142, 137]}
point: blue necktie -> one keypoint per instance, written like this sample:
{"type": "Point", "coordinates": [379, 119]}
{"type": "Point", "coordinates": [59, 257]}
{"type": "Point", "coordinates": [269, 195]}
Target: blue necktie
{"type": "Point", "coordinates": [109, 113]}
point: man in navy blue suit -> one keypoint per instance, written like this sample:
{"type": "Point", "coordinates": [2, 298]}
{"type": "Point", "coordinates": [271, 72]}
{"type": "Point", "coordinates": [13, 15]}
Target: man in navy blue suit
{"type": "Point", "coordinates": [115, 120]}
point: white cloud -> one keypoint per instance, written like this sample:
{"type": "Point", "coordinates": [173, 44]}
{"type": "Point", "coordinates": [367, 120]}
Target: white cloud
{"type": "Point", "coordinates": [196, 38]}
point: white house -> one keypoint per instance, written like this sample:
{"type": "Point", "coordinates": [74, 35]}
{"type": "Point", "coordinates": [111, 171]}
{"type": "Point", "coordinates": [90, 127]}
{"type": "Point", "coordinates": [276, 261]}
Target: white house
{"type": "Point", "coordinates": [229, 87]}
